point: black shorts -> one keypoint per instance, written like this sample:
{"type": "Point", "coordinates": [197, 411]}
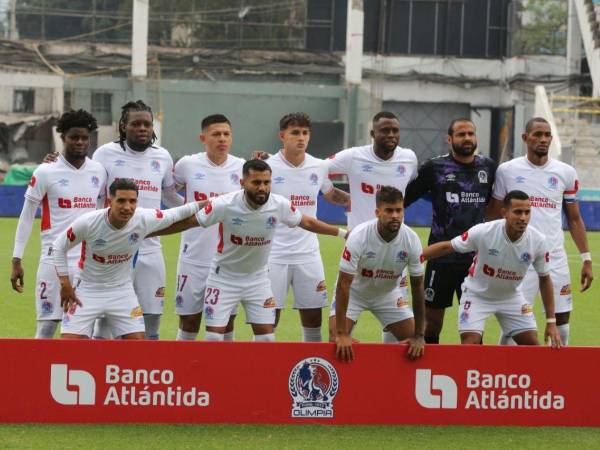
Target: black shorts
{"type": "Point", "coordinates": [442, 281]}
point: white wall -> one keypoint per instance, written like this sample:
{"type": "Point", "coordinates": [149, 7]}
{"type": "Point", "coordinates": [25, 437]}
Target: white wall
{"type": "Point", "coordinates": [48, 91]}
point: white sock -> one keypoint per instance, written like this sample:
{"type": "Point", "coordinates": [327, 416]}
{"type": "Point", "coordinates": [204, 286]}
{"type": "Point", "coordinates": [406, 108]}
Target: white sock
{"type": "Point", "coordinates": [564, 331]}
{"type": "Point", "coordinates": [186, 335]}
{"type": "Point", "coordinates": [45, 329]}
{"type": "Point", "coordinates": [152, 322]}
{"type": "Point", "coordinates": [228, 336]}
{"type": "Point", "coordinates": [312, 334]}
{"type": "Point", "coordinates": [506, 340]}
{"type": "Point", "coordinates": [101, 329]}
{"type": "Point", "coordinates": [212, 336]}
{"type": "Point", "coordinates": [388, 338]}
{"type": "Point", "coordinates": [270, 337]}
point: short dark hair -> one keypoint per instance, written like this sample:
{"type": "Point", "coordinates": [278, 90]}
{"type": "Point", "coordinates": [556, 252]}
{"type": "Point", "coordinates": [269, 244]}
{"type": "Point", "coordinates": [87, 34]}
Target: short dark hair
{"type": "Point", "coordinates": [516, 194]}
{"type": "Point", "coordinates": [384, 115]}
{"type": "Point", "coordinates": [257, 165]}
{"type": "Point", "coordinates": [76, 119]}
{"type": "Point", "coordinates": [123, 184]}
{"type": "Point", "coordinates": [388, 194]}
{"type": "Point", "coordinates": [455, 121]}
{"type": "Point", "coordinates": [298, 119]}
{"type": "Point", "coordinates": [530, 122]}
{"type": "Point", "coordinates": [212, 119]}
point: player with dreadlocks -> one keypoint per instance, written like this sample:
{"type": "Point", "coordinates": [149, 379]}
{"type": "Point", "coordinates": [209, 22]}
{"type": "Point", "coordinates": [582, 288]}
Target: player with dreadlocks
{"type": "Point", "coordinates": [135, 156]}
{"type": "Point", "coordinates": [65, 190]}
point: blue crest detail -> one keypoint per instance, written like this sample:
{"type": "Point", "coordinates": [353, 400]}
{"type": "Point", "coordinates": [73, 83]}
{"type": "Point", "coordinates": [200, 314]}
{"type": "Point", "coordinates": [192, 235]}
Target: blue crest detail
{"type": "Point", "coordinates": [313, 384]}
{"type": "Point", "coordinates": [155, 165]}
{"type": "Point", "coordinates": [95, 181]}
{"type": "Point", "coordinates": [133, 238]}
{"type": "Point", "coordinates": [235, 178]}
{"type": "Point", "coordinates": [401, 256]}
{"type": "Point", "coordinates": [314, 179]}
{"type": "Point", "coordinates": [401, 170]}
{"type": "Point", "coordinates": [526, 258]}
{"type": "Point", "coordinates": [271, 221]}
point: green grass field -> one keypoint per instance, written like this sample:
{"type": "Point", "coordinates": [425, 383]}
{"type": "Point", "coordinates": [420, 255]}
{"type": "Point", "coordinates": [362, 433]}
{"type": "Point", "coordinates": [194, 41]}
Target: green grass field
{"type": "Point", "coordinates": [18, 321]}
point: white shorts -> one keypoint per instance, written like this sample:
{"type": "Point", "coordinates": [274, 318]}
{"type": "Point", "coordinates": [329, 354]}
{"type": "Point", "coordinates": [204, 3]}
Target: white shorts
{"type": "Point", "coordinates": [514, 314]}
{"type": "Point", "coordinates": [389, 309]}
{"type": "Point", "coordinates": [561, 281]}
{"type": "Point", "coordinates": [189, 288]}
{"type": "Point", "coordinates": [307, 281]}
{"type": "Point", "coordinates": [119, 306]}
{"type": "Point", "coordinates": [402, 286]}
{"type": "Point", "coordinates": [225, 291]}
{"type": "Point", "coordinates": [149, 280]}
{"type": "Point", "coordinates": [47, 291]}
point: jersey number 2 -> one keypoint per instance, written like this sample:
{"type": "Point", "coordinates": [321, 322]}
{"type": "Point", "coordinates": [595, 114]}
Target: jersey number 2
{"type": "Point", "coordinates": [212, 296]}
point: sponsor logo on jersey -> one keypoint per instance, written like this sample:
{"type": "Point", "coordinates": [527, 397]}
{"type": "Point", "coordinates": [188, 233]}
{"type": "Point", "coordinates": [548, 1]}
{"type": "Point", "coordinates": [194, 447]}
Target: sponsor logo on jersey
{"type": "Point", "coordinates": [450, 177]}
{"type": "Point", "coordinates": [208, 208]}
{"type": "Point", "coordinates": [370, 255]}
{"type": "Point", "coordinates": [237, 221]}
{"type": "Point", "coordinates": [160, 292]}
{"type": "Point", "coordinates": [401, 170]}
{"type": "Point", "coordinates": [367, 273]}
{"type": "Point", "coordinates": [493, 252]}
{"type": "Point", "coordinates": [526, 308]}
{"type": "Point", "coordinates": [159, 213]}
{"type": "Point", "coordinates": [99, 243]}
{"type": "Point", "coordinates": [321, 286]}
{"type": "Point", "coordinates": [313, 384]}
{"type": "Point", "coordinates": [185, 247]}
{"type": "Point", "coordinates": [70, 234]}
{"type": "Point", "coordinates": [547, 256]}
{"type": "Point", "coordinates": [155, 165]}
{"type": "Point", "coordinates": [429, 294]}
{"type": "Point", "coordinates": [520, 179]}
{"type": "Point", "coordinates": [119, 162]}
{"type": "Point", "coordinates": [95, 181]}
{"type": "Point", "coordinates": [292, 207]}
{"type": "Point", "coordinates": [63, 182]}
{"type": "Point", "coordinates": [314, 179]}
{"type": "Point", "coordinates": [199, 176]}
{"type": "Point", "coordinates": [401, 302]}
{"type": "Point", "coordinates": [32, 181]}
{"type": "Point", "coordinates": [465, 236]}
{"type": "Point", "coordinates": [136, 312]}
{"type": "Point", "coordinates": [279, 180]}
{"type": "Point", "coordinates": [367, 168]}
{"type": "Point", "coordinates": [367, 188]}
{"type": "Point", "coordinates": [565, 290]}
{"type": "Point", "coordinates": [269, 303]}
{"type": "Point", "coordinates": [552, 182]}
{"type": "Point", "coordinates": [422, 258]}
{"type": "Point", "coordinates": [482, 175]}
{"type": "Point", "coordinates": [452, 197]}
{"type": "Point", "coordinates": [401, 256]}
{"type": "Point", "coordinates": [234, 178]}
{"type": "Point", "coordinates": [64, 203]}
{"type": "Point", "coordinates": [98, 258]}
{"type": "Point", "coordinates": [525, 258]}
{"type": "Point", "coordinates": [133, 238]}
{"type": "Point", "coordinates": [346, 255]}
{"type": "Point", "coordinates": [271, 221]}
{"type": "Point", "coordinates": [237, 240]}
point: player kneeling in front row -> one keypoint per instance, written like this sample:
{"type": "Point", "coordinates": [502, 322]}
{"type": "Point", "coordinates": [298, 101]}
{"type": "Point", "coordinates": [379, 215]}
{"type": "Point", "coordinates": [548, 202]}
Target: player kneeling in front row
{"type": "Point", "coordinates": [505, 248]}
{"type": "Point", "coordinates": [371, 266]}
{"type": "Point", "coordinates": [247, 221]}
{"type": "Point", "coordinates": [110, 238]}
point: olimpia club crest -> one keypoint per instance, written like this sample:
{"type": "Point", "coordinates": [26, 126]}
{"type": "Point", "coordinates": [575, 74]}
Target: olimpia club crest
{"type": "Point", "coordinates": [313, 384]}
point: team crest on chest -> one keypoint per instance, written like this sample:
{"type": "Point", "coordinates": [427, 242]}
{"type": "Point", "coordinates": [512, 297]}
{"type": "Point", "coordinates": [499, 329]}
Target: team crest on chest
{"type": "Point", "coordinates": [155, 165]}
{"type": "Point", "coordinates": [271, 221]}
{"type": "Point", "coordinates": [401, 170]}
{"type": "Point", "coordinates": [552, 182]}
{"type": "Point", "coordinates": [401, 256]}
{"type": "Point", "coordinates": [133, 238]}
{"type": "Point", "coordinates": [95, 181]}
{"type": "Point", "coordinates": [525, 258]}
{"type": "Point", "coordinates": [314, 179]}
{"type": "Point", "coordinates": [482, 175]}
{"type": "Point", "coordinates": [235, 178]}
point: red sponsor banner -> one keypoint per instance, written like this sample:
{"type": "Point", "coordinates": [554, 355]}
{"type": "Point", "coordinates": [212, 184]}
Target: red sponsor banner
{"type": "Point", "coordinates": [187, 382]}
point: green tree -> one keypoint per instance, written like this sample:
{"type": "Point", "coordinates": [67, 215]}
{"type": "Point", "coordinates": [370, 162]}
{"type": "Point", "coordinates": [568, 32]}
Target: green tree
{"type": "Point", "coordinates": [541, 27]}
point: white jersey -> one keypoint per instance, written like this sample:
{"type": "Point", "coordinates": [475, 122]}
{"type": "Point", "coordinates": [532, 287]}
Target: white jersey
{"type": "Point", "coordinates": [367, 173]}
{"type": "Point", "coordinates": [107, 252]}
{"type": "Point", "coordinates": [300, 185]}
{"type": "Point", "coordinates": [500, 264]}
{"type": "Point", "coordinates": [65, 193]}
{"type": "Point", "coordinates": [376, 264]}
{"type": "Point", "coordinates": [204, 180]}
{"type": "Point", "coordinates": [547, 186]}
{"type": "Point", "coordinates": [152, 171]}
{"type": "Point", "coordinates": [245, 234]}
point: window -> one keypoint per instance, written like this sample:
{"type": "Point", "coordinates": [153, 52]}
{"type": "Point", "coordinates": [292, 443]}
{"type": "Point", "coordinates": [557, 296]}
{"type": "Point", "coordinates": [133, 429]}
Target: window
{"type": "Point", "coordinates": [23, 101]}
{"type": "Point", "coordinates": [102, 107]}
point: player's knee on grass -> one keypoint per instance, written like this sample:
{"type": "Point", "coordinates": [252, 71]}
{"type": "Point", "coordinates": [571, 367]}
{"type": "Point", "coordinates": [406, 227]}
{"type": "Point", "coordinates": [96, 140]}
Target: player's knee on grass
{"type": "Point", "coordinates": [152, 324]}
{"type": "Point", "coordinates": [528, 337]}
{"type": "Point", "coordinates": [190, 323]}
{"type": "Point", "coordinates": [470, 338]}
{"type": "Point", "coordinates": [45, 329]}
{"type": "Point", "coordinates": [402, 330]}
{"type": "Point", "coordinates": [311, 318]}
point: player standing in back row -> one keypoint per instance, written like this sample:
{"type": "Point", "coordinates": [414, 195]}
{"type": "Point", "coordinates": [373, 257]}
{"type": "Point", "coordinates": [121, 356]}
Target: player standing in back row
{"type": "Point", "coordinates": [65, 191]}
{"type": "Point", "coordinates": [151, 167]}
{"type": "Point", "coordinates": [382, 163]}
{"type": "Point", "coordinates": [460, 185]}
{"type": "Point", "coordinates": [552, 187]}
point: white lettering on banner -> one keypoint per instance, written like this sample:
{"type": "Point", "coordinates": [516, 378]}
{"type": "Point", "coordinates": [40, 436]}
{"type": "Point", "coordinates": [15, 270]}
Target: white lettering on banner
{"type": "Point", "coordinates": [135, 385]}
{"type": "Point", "coordinates": [61, 378]}
{"type": "Point", "coordinates": [486, 391]}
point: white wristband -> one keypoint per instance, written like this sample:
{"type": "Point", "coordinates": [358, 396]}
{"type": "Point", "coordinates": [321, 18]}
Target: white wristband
{"type": "Point", "coordinates": [551, 320]}
{"type": "Point", "coordinates": [342, 233]}
{"type": "Point", "coordinates": [587, 256]}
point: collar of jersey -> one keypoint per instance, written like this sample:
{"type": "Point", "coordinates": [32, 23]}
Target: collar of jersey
{"type": "Point", "coordinates": [280, 153]}
{"type": "Point", "coordinates": [533, 166]}
{"type": "Point", "coordinates": [62, 159]}
{"type": "Point", "coordinates": [383, 241]}
{"type": "Point", "coordinates": [384, 160]}
{"type": "Point", "coordinates": [212, 164]}
{"type": "Point", "coordinates": [129, 150]}
{"type": "Point", "coordinates": [110, 225]}
{"type": "Point", "coordinates": [506, 235]}
{"type": "Point", "coordinates": [250, 208]}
